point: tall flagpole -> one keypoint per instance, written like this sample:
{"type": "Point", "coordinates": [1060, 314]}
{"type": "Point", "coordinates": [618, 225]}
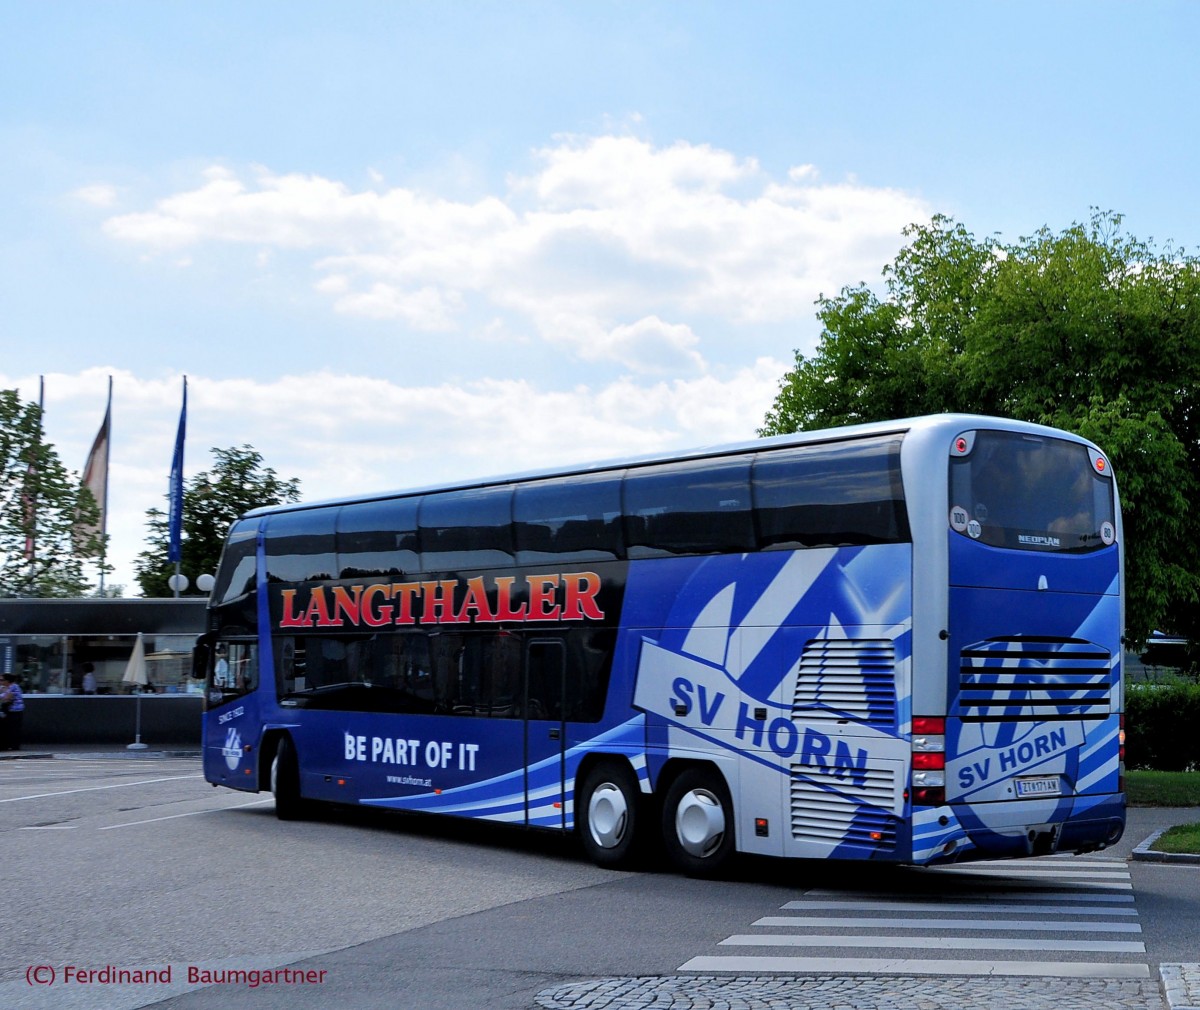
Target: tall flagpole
{"type": "Point", "coordinates": [95, 479]}
{"type": "Point", "coordinates": [175, 514]}
{"type": "Point", "coordinates": [104, 503]}
{"type": "Point", "coordinates": [31, 495]}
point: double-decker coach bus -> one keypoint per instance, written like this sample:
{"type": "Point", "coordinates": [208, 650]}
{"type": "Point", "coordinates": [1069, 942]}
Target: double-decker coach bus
{"type": "Point", "coordinates": [895, 641]}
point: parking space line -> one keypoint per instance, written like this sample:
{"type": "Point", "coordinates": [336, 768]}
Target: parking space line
{"type": "Point", "coordinates": [190, 813]}
{"type": "Point", "coordinates": [92, 789]}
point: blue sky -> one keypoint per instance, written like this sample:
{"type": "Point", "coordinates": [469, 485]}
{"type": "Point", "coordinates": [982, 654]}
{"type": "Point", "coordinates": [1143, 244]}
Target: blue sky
{"type": "Point", "coordinates": [391, 243]}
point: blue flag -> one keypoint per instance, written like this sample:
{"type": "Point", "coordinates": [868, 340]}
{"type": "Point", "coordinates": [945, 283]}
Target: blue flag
{"type": "Point", "coordinates": [175, 521]}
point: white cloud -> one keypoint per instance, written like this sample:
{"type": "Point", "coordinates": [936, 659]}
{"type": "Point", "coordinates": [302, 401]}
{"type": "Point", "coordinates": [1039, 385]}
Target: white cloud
{"type": "Point", "coordinates": [342, 434]}
{"type": "Point", "coordinates": [656, 267]}
{"type": "Point", "coordinates": [604, 234]}
{"type": "Point", "coordinates": [652, 345]}
{"type": "Point", "coordinates": [99, 195]}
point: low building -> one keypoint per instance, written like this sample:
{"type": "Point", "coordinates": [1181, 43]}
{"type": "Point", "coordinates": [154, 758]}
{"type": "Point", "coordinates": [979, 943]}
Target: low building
{"type": "Point", "coordinates": [49, 646]}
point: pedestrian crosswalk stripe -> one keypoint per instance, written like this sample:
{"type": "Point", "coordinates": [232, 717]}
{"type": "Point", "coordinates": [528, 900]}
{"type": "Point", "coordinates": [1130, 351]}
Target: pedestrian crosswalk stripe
{"type": "Point", "coordinates": [933, 942]}
{"type": "Point", "coordinates": [1047, 870]}
{"type": "Point", "coordinates": [884, 905]}
{"type": "Point", "coordinates": [1035, 925]}
{"type": "Point", "coordinates": [1051, 909]}
{"type": "Point", "coordinates": [1002, 893]}
{"type": "Point", "coordinates": [909, 966]}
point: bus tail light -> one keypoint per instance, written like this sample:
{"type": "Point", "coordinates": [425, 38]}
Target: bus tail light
{"type": "Point", "coordinates": [928, 760]}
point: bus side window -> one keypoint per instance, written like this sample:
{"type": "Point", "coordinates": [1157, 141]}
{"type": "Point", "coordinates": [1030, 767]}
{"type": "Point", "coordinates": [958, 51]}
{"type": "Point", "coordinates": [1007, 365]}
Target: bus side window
{"type": "Point", "coordinates": [689, 508]}
{"type": "Point", "coordinates": [830, 495]}
{"type": "Point", "coordinates": [234, 670]}
{"type": "Point", "coordinates": [544, 686]}
{"type": "Point", "coordinates": [572, 520]}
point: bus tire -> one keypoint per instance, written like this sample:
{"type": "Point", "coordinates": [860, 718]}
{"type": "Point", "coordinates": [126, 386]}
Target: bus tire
{"type": "Point", "coordinates": [285, 782]}
{"type": "Point", "coordinates": [608, 815]}
{"type": "Point", "coordinates": [697, 823]}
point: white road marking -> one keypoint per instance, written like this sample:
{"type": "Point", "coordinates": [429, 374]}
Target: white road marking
{"type": "Point", "coordinates": [944, 906]}
{"type": "Point", "coordinates": [1035, 925]}
{"type": "Point", "coordinates": [190, 813]}
{"type": "Point", "coordinates": [908, 966]}
{"type": "Point", "coordinates": [933, 942]}
{"type": "Point", "coordinates": [93, 789]}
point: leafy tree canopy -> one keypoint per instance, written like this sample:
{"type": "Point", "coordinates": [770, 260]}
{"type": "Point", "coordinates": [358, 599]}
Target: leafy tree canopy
{"type": "Point", "coordinates": [48, 519]}
{"type": "Point", "coordinates": [1090, 330]}
{"type": "Point", "coordinates": [212, 501]}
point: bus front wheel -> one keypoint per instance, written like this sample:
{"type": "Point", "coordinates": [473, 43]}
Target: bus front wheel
{"type": "Point", "coordinates": [698, 823]}
{"type": "Point", "coordinates": [285, 782]}
{"type": "Point", "coordinates": [609, 826]}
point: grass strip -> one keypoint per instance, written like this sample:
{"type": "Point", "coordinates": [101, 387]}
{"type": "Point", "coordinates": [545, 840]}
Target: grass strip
{"type": "Point", "coordinates": [1181, 838]}
{"type": "Point", "coordinates": [1162, 789]}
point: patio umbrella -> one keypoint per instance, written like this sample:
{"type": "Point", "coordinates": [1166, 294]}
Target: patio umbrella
{"type": "Point", "coordinates": [135, 673]}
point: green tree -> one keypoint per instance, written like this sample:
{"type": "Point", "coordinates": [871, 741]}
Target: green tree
{"type": "Point", "coordinates": [48, 519]}
{"type": "Point", "coordinates": [212, 500]}
{"type": "Point", "coordinates": [1089, 329]}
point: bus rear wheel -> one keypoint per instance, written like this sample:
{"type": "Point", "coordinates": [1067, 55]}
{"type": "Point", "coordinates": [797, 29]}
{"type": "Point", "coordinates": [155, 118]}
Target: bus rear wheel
{"type": "Point", "coordinates": [285, 782]}
{"type": "Point", "coordinates": [697, 823]}
{"type": "Point", "coordinates": [609, 823]}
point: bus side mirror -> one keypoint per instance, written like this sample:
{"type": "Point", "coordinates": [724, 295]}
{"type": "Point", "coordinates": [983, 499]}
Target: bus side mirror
{"type": "Point", "coordinates": [200, 656]}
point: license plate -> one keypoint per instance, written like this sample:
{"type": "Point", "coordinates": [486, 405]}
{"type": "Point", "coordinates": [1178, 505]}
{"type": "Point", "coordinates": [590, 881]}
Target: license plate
{"type": "Point", "coordinates": [1039, 785]}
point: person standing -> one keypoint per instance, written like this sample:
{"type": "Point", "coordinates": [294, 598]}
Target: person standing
{"type": "Point", "coordinates": [89, 678]}
{"type": "Point", "coordinates": [12, 705]}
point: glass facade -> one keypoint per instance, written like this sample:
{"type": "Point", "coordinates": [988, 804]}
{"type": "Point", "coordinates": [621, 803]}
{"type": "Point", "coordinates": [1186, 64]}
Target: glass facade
{"type": "Point", "coordinates": [83, 646]}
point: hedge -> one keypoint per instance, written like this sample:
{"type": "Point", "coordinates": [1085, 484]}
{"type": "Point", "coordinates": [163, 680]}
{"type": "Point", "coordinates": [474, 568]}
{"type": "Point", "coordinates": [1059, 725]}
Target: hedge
{"type": "Point", "coordinates": [1162, 726]}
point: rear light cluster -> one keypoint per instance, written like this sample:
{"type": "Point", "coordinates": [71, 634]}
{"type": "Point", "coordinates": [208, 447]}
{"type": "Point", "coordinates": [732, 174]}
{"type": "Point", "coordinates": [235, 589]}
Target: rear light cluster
{"type": "Point", "coordinates": [928, 761]}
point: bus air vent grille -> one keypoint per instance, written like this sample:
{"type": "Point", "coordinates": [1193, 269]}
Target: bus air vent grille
{"type": "Point", "coordinates": [1028, 678]}
{"type": "Point", "coordinates": [847, 679]}
{"type": "Point", "coordinates": [821, 811]}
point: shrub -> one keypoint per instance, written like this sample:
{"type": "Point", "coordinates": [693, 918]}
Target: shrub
{"type": "Point", "coordinates": [1161, 723]}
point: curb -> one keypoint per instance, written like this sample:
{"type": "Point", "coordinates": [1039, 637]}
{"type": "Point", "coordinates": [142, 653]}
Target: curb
{"type": "Point", "coordinates": [1181, 985]}
{"type": "Point", "coordinates": [1144, 853]}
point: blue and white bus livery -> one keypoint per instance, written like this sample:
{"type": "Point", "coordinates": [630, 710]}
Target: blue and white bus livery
{"type": "Point", "coordinates": [896, 641]}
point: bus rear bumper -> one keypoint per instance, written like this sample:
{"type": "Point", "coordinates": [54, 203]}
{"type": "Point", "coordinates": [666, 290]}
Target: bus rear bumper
{"type": "Point", "coordinates": [1022, 828]}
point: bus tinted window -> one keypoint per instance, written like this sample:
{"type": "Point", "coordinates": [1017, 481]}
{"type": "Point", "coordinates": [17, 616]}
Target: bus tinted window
{"type": "Point", "coordinates": [235, 576]}
{"type": "Point", "coordinates": [476, 673]}
{"type": "Point", "coordinates": [366, 673]}
{"type": "Point", "coordinates": [300, 546]}
{"type": "Point", "coordinates": [378, 538]}
{"type": "Point", "coordinates": [461, 530]}
{"type": "Point", "coordinates": [1030, 492]}
{"type": "Point", "coordinates": [589, 660]}
{"type": "Point", "coordinates": [831, 495]}
{"type": "Point", "coordinates": [571, 519]}
{"type": "Point", "coordinates": [695, 507]}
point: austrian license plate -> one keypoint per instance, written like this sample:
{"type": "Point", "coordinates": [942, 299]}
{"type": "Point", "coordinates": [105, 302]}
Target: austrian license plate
{"type": "Point", "coordinates": [1039, 785]}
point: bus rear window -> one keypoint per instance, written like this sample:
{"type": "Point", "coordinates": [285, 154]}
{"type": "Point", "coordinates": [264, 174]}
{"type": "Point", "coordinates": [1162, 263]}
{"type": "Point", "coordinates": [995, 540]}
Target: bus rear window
{"type": "Point", "coordinates": [1030, 492]}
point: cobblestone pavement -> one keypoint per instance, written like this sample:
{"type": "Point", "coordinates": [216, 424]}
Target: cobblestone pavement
{"type": "Point", "coordinates": [684, 992]}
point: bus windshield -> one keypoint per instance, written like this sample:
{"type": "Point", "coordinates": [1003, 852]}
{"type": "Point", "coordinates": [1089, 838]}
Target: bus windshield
{"type": "Point", "coordinates": [1031, 492]}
